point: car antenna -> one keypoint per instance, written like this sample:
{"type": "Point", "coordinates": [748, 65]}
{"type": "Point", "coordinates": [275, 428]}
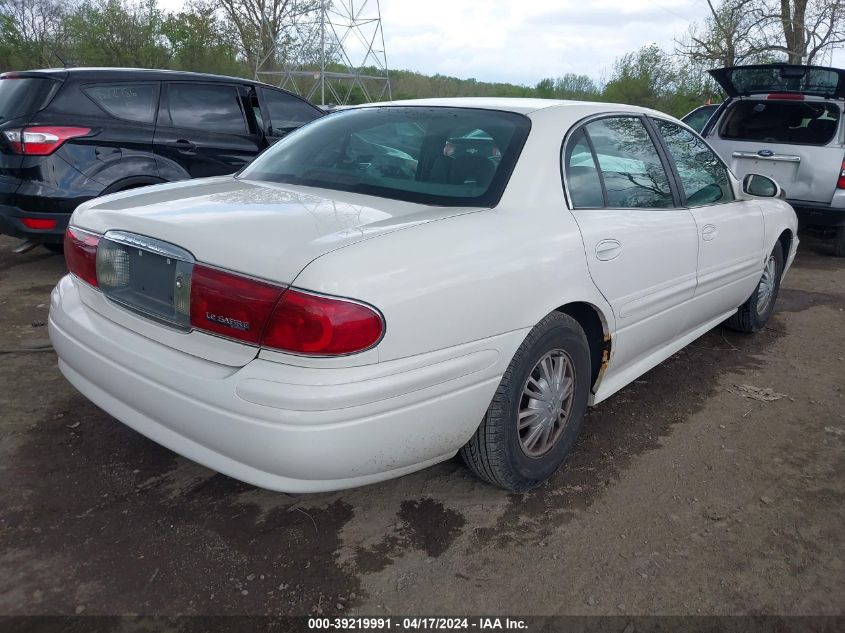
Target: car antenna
{"type": "Point", "coordinates": [64, 63]}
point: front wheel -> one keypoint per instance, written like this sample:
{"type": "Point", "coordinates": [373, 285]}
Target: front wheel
{"type": "Point", "coordinates": [536, 414]}
{"type": "Point", "coordinates": [757, 310]}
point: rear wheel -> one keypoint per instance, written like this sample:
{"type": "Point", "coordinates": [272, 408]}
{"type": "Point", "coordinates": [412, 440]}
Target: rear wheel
{"type": "Point", "coordinates": [757, 310]}
{"type": "Point", "coordinates": [839, 242]}
{"type": "Point", "coordinates": [538, 409]}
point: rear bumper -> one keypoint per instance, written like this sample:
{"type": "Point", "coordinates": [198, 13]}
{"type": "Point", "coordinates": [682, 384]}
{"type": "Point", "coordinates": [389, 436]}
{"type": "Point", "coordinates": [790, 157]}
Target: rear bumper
{"type": "Point", "coordinates": [821, 215]}
{"type": "Point", "coordinates": [276, 426]}
{"type": "Point", "coordinates": [11, 223]}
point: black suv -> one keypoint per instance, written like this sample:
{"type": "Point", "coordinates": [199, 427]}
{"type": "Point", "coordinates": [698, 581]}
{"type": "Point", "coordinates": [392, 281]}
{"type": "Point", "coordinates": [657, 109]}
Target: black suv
{"type": "Point", "coordinates": [69, 135]}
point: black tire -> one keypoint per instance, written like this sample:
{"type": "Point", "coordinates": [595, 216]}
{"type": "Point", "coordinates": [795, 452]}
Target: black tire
{"type": "Point", "coordinates": [495, 452]}
{"type": "Point", "coordinates": [839, 242]}
{"type": "Point", "coordinates": [57, 247]}
{"type": "Point", "coordinates": [749, 318]}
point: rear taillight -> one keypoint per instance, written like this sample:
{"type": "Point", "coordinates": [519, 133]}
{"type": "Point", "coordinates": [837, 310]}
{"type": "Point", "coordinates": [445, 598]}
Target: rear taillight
{"type": "Point", "coordinates": [271, 316]}
{"type": "Point", "coordinates": [42, 140]}
{"type": "Point", "coordinates": [305, 323]}
{"type": "Point", "coordinates": [231, 305]}
{"type": "Point", "coordinates": [39, 224]}
{"type": "Point", "coordinates": [81, 254]}
{"type": "Point", "coordinates": [840, 184]}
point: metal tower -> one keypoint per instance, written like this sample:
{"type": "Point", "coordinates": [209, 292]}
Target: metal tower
{"type": "Point", "coordinates": [334, 53]}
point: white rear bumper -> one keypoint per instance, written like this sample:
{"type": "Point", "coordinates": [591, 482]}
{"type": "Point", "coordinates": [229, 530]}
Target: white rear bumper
{"type": "Point", "coordinates": [279, 426]}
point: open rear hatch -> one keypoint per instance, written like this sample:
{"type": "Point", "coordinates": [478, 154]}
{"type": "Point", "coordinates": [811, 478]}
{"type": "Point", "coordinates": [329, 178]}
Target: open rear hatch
{"type": "Point", "coordinates": [818, 81]}
{"type": "Point", "coordinates": [783, 123]}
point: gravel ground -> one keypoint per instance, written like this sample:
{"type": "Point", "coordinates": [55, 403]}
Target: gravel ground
{"type": "Point", "coordinates": [683, 496]}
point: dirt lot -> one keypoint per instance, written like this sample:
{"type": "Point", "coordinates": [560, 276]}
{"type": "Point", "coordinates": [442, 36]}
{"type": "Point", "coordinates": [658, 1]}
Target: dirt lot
{"type": "Point", "coordinates": [683, 496]}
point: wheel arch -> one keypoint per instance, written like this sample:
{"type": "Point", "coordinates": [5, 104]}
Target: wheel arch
{"type": "Point", "coordinates": [596, 328]}
{"type": "Point", "coordinates": [785, 241]}
{"type": "Point", "coordinates": [131, 183]}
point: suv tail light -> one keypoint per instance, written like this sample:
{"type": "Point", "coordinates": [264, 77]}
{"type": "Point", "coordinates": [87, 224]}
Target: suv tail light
{"type": "Point", "coordinates": [81, 254]}
{"type": "Point", "coordinates": [840, 184]}
{"type": "Point", "coordinates": [274, 317]}
{"type": "Point", "coordinates": [43, 140]}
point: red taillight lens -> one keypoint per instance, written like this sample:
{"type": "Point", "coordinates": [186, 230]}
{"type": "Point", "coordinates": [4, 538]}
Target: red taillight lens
{"type": "Point", "coordinates": [42, 224]}
{"type": "Point", "coordinates": [231, 305]}
{"type": "Point", "coordinates": [303, 323]}
{"type": "Point", "coordinates": [840, 184]}
{"type": "Point", "coordinates": [81, 254]}
{"type": "Point", "coordinates": [43, 140]}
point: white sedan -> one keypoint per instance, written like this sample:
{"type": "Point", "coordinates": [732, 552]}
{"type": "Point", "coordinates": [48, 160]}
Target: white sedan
{"type": "Point", "coordinates": [394, 284]}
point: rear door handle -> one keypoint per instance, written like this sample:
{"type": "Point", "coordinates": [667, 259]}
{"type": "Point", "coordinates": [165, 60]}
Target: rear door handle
{"type": "Point", "coordinates": [709, 232]}
{"type": "Point", "coordinates": [183, 146]}
{"type": "Point", "coordinates": [607, 250]}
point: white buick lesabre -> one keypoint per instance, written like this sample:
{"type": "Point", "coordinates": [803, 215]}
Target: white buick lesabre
{"type": "Point", "coordinates": [396, 283]}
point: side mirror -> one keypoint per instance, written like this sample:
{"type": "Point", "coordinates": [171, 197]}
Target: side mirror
{"type": "Point", "coordinates": [760, 186]}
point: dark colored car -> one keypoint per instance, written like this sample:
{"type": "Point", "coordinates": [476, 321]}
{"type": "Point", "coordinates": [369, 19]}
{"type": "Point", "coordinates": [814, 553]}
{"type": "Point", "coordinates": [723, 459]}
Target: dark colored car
{"type": "Point", "coordinates": [69, 135]}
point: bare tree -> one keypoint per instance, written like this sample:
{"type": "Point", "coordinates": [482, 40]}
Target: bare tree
{"type": "Point", "coordinates": [748, 31]}
{"type": "Point", "coordinates": [37, 26]}
{"type": "Point", "coordinates": [263, 24]}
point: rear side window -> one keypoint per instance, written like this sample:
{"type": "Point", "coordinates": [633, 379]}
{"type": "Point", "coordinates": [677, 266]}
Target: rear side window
{"type": "Point", "coordinates": [208, 107]}
{"type": "Point", "coordinates": [633, 174]}
{"type": "Point", "coordinates": [132, 102]}
{"type": "Point", "coordinates": [21, 96]}
{"type": "Point", "coordinates": [801, 122]}
{"type": "Point", "coordinates": [582, 175]}
{"type": "Point", "coordinates": [286, 112]}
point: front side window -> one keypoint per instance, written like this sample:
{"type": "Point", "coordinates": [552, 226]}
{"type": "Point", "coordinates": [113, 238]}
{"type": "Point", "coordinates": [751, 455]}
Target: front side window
{"type": "Point", "coordinates": [132, 102]}
{"type": "Point", "coordinates": [703, 176]}
{"type": "Point", "coordinates": [633, 174]}
{"type": "Point", "coordinates": [441, 156]}
{"type": "Point", "coordinates": [286, 112]}
{"type": "Point", "coordinates": [209, 107]}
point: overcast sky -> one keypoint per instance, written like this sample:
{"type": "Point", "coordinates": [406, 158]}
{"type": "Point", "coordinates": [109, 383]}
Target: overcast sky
{"type": "Point", "coordinates": [524, 41]}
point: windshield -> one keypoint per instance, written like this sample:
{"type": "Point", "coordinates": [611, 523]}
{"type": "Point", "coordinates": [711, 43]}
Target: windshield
{"type": "Point", "coordinates": [20, 96]}
{"type": "Point", "coordinates": [440, 156]}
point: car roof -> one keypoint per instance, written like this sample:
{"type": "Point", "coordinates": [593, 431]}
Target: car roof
{"type": "Point", "coordinates": [150, 74]}
{"type": "Point", "coordinates": [520, 105]}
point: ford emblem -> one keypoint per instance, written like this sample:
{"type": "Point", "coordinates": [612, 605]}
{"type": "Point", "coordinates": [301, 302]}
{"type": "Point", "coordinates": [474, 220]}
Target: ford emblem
{"type": "Point", "coordinates": [766, 153]}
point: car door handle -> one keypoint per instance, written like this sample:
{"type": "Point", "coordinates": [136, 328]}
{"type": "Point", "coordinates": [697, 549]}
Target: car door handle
{"type": "Point", "coordinates": [607, 250]}
{"type": "Point", "coordinates": [183, 146]}
{"type": "Point", "coordinates": [709, 232]}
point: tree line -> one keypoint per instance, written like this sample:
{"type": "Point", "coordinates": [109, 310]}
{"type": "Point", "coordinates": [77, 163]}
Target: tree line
{"type": "Point", "coordinates": [241, 37]}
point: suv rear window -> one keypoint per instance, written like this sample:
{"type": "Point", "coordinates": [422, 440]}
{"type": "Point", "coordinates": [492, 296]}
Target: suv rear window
{"type": "Point", "coordinates": [20, 96]}
{"type": "Point", "coordinates": [801, 122]}
{"type": "Point", "coordinates": [401, 152]}
{"type": "Point", "coordinates": [132, 102]}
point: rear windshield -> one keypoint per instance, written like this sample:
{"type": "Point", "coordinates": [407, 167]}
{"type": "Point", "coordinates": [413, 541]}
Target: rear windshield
{"type": "Point", "coordinates": [20, 96]}
{"type": "Point", "coordinates": [802, 122]}
{"type": "Point", "coordinates": [439, 156]}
